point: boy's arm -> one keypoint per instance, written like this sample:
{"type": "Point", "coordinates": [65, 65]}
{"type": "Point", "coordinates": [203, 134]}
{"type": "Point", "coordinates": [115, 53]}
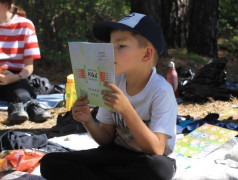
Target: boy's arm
{"type": "Point", "coordinates": [102, 134]}
{"type": "Point", "coordinates": [150, 142]}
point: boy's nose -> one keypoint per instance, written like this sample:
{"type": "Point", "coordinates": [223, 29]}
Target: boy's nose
{"type": "Point", "coordinates": [115, 54]}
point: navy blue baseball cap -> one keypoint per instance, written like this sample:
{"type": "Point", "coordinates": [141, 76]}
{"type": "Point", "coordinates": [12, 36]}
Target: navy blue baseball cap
{"type": "Point", "coordinates": [134, 22]}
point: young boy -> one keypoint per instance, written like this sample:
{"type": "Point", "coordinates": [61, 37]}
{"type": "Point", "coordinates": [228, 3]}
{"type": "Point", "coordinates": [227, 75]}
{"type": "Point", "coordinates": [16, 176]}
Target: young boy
{"type": "Point", "coordinates": [136, 137]}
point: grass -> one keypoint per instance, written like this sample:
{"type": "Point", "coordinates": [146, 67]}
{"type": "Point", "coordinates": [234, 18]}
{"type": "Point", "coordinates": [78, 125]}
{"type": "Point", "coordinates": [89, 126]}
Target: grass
{"type": "Point", "coordinates": [184, 55]}
{"type": "Point", "coordinates": [229, 44]}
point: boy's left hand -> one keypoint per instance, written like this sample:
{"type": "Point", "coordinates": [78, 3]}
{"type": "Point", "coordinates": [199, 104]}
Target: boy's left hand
{"type": "Point", "coordinates": [116, 99]}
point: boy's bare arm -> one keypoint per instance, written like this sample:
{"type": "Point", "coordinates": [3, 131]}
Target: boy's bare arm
{"type": "Point", "coordinates": [150, 142]}
{"type": "Point", "coordinates": [102, 134]}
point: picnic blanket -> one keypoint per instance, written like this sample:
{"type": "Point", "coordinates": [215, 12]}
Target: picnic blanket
{"type": "Point", "coordinates": [220, 164]}
{"type": "Point", "coordinates": [79, 141]}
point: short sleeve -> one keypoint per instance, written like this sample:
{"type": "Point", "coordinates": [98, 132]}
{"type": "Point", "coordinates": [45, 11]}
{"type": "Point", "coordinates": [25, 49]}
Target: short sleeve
{"type": "Point", "coordinates": [104, 116]}
{"type": "Point", "coordinates": [31, 49]}
{"type": "Point", "coordinates": [164, 114]}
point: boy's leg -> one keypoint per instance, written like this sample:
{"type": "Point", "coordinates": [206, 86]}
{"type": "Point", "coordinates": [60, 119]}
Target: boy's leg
{"type": "Point", "coordinates": [86, 164]}
{"type": "Point", "coordinates": [107, 162]}
{"type": "Point", "coordinates": [149, 167]}
{"type": "Point", "coordinates": [66, 165]}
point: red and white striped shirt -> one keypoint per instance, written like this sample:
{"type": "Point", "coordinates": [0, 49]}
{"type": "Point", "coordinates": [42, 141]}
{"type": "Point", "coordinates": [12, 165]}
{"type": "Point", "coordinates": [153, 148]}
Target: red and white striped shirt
{"type": "Point", "coordinates": [18, 41]}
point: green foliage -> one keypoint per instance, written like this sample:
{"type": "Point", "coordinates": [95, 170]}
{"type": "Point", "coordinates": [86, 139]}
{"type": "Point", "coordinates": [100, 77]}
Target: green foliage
{"type": "Point", "coordinates": [230, 44]}
{"type": "Point", "coordinates": [183, 54]}
{"type": "Point", "coordinates": [228, 19]}
{"type": "Point", "coordinates": [228, 25]}
{"type": "Point", "coordinates": [59, 21]}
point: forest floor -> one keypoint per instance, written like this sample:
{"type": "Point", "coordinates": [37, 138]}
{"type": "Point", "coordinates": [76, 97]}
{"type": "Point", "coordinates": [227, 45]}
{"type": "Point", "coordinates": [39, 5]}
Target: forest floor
{"type": "Point", "coordinates": [57, 73]}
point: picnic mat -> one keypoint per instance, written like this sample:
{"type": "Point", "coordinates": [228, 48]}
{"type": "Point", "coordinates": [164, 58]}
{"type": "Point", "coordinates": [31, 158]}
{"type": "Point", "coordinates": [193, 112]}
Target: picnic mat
{"type": "Point", "coordinates": [208, 152]}
{"type": "Point", "coordinates": [220, 164]}
{"type": "Point", "coordinates": [48, 101]}
{"type": "Point", "coordinates": [78, 141]}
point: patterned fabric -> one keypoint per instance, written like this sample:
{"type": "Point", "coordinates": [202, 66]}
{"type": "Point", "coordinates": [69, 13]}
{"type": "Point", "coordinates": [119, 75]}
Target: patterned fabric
{"type": "Point", "coordinates": [18, 41]}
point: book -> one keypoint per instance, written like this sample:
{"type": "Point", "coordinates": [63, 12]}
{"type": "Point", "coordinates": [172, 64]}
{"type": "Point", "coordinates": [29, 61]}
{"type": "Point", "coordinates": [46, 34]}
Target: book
{"type": "Point", "coordinates": [203, 140]}
{"type": "Point", "coordinates": [92, 65]}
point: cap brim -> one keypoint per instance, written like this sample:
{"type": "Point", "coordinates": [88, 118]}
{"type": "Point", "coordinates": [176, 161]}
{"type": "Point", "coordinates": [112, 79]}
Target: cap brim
{"type": "Point", "coordinates": [102, 30]}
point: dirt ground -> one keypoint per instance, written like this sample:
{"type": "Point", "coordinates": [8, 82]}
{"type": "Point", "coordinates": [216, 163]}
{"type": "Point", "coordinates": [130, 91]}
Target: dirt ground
{"type": "Point", "coordinates": [57, 73]}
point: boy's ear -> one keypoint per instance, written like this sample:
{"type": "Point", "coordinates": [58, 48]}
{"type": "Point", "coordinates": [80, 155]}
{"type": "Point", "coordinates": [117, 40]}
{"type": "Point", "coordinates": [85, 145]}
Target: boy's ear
{"type": "Point", "coordinates": [149, 53]}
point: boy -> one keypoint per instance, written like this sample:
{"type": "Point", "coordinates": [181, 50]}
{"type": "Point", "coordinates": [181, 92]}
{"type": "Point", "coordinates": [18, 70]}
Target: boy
{"type": "Point", "coordinates": [136, 137]}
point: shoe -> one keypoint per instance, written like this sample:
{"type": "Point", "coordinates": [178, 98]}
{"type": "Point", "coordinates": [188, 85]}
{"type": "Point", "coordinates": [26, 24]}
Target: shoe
{"type": "Point", "coordinates": [36, 112]}
{"type": "Point", "coordinates": [16, 112]}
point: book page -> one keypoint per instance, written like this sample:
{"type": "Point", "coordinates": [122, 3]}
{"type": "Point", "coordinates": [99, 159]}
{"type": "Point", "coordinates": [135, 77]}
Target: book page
{"type": "Point", "coordinates": [92, 64]}
{"type": "Point", "coordinates": [203, 140]}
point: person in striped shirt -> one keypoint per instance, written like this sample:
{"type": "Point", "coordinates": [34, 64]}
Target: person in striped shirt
{"type": "Point", "coordinates": [18, 49]}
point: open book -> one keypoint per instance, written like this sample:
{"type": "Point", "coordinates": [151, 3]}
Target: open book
{"type": "Point", "coordinates": [92, 64]}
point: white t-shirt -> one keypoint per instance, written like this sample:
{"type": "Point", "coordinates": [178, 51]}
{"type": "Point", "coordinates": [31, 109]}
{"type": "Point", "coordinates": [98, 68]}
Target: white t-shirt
{"type": "Point", "coordinates": [155, 104]}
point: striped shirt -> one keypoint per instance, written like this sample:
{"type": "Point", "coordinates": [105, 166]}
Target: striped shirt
{"type": "Point", "coordinates": [18, 41]}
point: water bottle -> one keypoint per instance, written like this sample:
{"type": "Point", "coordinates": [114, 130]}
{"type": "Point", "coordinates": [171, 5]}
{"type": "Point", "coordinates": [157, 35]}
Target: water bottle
{"type": "Point", "coordinates": [172, 77]}
{"type": "Point", "coordinates": [71, 95]}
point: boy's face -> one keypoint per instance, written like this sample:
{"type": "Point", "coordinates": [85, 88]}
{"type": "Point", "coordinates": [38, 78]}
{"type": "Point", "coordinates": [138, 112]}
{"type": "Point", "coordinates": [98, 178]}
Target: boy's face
{"type": "Point", "coordinates": [2, 7]}
{"type": "Point", "coordinates": [128, 54]}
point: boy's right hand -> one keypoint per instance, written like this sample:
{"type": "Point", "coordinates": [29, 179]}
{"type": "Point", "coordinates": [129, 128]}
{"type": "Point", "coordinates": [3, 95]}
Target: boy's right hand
{"type": "Point", "coordinates": [80, 110]}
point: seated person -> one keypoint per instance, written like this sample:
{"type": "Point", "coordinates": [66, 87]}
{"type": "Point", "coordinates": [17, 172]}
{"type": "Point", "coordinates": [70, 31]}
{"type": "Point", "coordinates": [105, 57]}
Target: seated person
{"type": "Point", "coordinates": [138, 134]}
{"type": "Point", "coordinates": [18, 48]}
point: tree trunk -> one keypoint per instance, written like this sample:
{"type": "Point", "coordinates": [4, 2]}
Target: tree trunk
{"type": "Point", "coordinates": [175, 22]}
{"type": "Point", "coordinates": [172, 16]}
{"type": "Point", "coordinates": [203, 27]}
{"type": "Point", "coordinates": [151, 8]}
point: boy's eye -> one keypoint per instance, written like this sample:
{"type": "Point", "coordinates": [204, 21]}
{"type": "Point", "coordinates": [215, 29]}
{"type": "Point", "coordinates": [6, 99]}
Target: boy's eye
{"type": "Point", "coordinates": [122, 46]}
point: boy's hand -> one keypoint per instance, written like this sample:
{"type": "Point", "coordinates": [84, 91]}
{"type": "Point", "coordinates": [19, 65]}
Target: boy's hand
{"type": "Point", "coordinates": [80, 110]}
{"type": "Point", "coordinates": [116, 99]}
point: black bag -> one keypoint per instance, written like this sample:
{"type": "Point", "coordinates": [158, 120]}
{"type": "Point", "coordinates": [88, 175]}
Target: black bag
{"type": "Point", "coordinates": [210, 81]}
{"type": "Point", "coordinates": [67, 125]}
{"type": "Point", "coordinates": [41, 85]}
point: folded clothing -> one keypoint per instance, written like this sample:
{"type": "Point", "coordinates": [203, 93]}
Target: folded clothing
{"type": "Point", "coordinates": [13, 140]}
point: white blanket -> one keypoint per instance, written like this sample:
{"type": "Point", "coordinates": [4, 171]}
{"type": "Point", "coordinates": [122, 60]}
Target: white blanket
{"type": "Point", "coordinates": [222, 164]}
